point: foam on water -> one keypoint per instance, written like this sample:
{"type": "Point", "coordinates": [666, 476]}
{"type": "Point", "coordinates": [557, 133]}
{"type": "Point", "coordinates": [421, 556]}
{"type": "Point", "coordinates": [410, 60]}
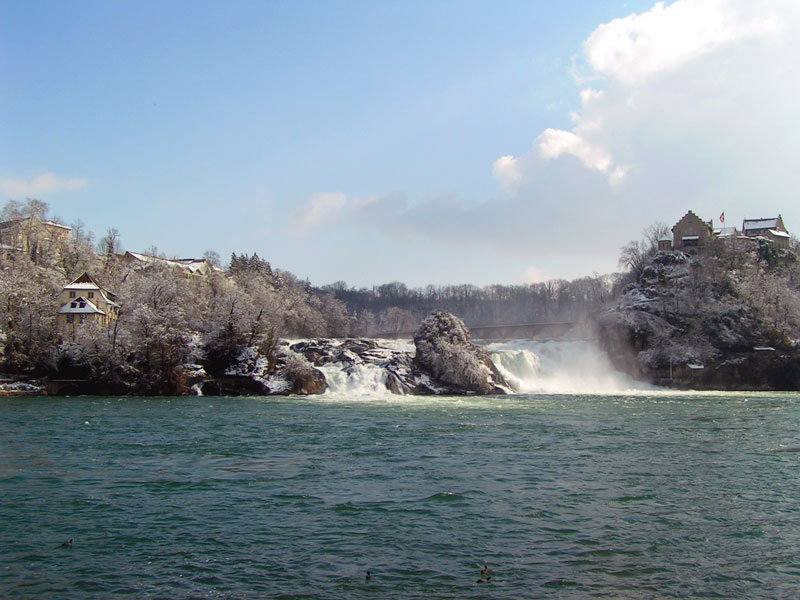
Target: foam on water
{"type": "Point", "coordinates": [356, 380]}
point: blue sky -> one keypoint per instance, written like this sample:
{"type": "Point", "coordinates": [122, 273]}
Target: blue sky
{"type": "Point", "coordinates": [429, 142]}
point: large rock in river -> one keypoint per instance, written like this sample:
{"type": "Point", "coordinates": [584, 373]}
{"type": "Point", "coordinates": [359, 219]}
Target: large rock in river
{"type": "Point", "coordinates": [303, 378]}
{"type": "Point", "coordinates": [446, 352]}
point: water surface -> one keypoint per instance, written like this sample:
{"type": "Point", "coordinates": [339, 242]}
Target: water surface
{"type": "Point", "coordinates": [564, 496]}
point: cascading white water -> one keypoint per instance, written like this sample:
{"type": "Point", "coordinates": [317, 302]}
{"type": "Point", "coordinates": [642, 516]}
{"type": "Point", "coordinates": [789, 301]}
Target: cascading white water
{"type": "Point", "coordinates": [362, 379]}
{"type": "Point", "coordinates": [558, 367]}
{"type": "Point", "coordinates": [356, 380]}
{"type": "Point", "coordinates": [544, 367]}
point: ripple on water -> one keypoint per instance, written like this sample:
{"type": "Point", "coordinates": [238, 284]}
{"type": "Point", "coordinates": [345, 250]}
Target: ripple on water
{"type": "Point", "coordinates": [658, 496]}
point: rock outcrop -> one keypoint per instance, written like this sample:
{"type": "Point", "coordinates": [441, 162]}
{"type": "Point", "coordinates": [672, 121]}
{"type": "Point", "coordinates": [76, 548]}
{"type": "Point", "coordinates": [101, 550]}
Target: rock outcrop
{"type": "Point", "coordinates": [303, 379]}
{"type": "Point", "coordinates": [446, 352]}
{"type": "Point", "coordinates": [687, 322]}
{"type": "Point", "coordinates": [446, 361]}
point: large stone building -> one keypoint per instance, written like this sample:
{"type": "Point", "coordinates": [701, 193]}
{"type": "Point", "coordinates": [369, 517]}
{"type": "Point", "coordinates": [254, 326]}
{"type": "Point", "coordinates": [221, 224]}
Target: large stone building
{"type": "Point", "coordinates": [85, 301]}
{"type": "Point", "coordinates": [691, 233]}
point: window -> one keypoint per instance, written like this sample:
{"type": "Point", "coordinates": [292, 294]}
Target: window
{"type": "Point", "coordinates": [73, 305]}
{"type": "Point", "coordinates": [82, 317]}
{"type": "Point", "coordinates": [83, 304]}
{"type": "Point", "coordinates": [70, 318]}
{"type": "Point", "coordinates": [91, 294]}
{"type": "Point", "coordinates": [72, 294]}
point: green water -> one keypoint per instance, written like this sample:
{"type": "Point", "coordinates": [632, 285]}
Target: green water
{"type": "Point", "coordinates": [651, 496]}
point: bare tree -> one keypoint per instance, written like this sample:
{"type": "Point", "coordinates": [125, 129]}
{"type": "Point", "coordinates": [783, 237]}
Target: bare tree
{"type": "Point", "coordinates": [212, 256]}
{"type": "Point", "coordinates": [653, 233]}
{"type": "Point", "coordinates": [108, 247]}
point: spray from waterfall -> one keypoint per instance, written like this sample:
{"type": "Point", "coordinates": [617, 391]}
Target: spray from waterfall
{"type": "Point", "coordinates": [559, 367]}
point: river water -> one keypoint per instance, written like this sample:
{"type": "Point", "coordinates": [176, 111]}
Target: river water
{"type": "Point", "coordinates": [640, 495]}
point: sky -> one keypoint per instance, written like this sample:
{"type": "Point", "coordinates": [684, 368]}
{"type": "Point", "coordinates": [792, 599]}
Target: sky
{"type": "Point", "coordinates": [424, 142]}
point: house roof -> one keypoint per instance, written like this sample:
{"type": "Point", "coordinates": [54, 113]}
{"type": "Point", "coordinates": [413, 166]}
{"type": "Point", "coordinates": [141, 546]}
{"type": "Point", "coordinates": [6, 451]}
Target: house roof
{"type": "Point", "coordinates": [80, 306]}
{"type": "Point", "coordinates": [81, 286]}
{"type": "Point", "coordinates": [190, 264]}
{"type": "Point", "coordinates": [87, 282]}
{"type": "Point", "coordinates": [760, 223]}
{"type": "Point", "coordinates": [59, 225]}
{"type": "Point", "coordinates": [779, 233]}
{"type": "Point", "coordinates": [726, 232]}
{"type": "Point", "coordinates": [7, 224]}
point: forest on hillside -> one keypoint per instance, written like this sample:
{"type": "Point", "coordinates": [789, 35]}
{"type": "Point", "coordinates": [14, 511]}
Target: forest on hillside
{"type": "Point", "coordinates": [167, 319]}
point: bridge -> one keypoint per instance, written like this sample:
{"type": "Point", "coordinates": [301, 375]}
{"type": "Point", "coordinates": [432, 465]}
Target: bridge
{"type": "Point", "coordinates": [519, 331]}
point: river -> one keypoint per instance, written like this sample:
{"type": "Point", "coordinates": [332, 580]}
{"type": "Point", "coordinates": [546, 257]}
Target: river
{"type": "Point", "coordinates": [644, 494]}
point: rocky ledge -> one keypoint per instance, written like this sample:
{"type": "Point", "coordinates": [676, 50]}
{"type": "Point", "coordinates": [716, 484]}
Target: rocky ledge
{"type": "Point", "coordinates": [685, 325]}
{"type": "Point", "coordinates": [446, 362]}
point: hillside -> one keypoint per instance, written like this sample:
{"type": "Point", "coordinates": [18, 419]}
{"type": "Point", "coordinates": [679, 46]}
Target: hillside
{"type": "Point", "coordinates": [727, 317]}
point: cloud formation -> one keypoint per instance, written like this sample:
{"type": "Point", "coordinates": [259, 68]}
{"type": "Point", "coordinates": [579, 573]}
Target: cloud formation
{"type": "Point", "coordinates": [691, 106]}
{"type": "Point", "coordinates": [41, 184]}
{"type": "Point", "coordinates": [636, 47]}
{"type": "Point", "coordinates": [321, 208]}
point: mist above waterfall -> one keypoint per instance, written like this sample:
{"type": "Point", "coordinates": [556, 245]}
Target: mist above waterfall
{"type": "Point", "coordinates": [559, 367]}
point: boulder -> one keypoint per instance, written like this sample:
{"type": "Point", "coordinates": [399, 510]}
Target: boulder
{"type": "Point", "coordinates": [446, 353]}
{"type": "Point", "coordinates": [303, 378]}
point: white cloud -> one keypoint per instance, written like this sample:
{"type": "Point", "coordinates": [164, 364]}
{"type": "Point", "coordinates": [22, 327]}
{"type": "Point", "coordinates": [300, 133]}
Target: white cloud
{"type": "Point", "coordinates": [700, 117]}
{"type": "Point", "coordinates": [320, 209]}
{"type": "Point", "coordinates": [506, 170]}
{"type": "Point", "coordinates": [625, 53]}
{"type": "Point", "coordinates": [42, 184]}
{"type": "Point", "coordinates": [633, 48]}
{"type": "Point", "coordinates": [555, 142]}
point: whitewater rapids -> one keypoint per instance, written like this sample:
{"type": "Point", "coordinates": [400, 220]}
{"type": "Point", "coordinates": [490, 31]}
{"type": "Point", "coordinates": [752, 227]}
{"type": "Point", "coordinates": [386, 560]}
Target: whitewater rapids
{"type": "Point", "coordinates": [529, 366]}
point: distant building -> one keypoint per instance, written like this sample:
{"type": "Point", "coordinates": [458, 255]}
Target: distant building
{"type": "Point", "coordinates": [85, 301]}
{"type": "Point", "coordinates": [665, 242]}
{"type": "Point", "coordinates": [771, 229]}
{"type": "Point", "coordinates": [191, 267]}
{"type": "Point", "coordinates": [691, 233]}
{"type": "Point", "coordinates": [32, 236]}
{"type": "Point", "coordinates": [727, 232]}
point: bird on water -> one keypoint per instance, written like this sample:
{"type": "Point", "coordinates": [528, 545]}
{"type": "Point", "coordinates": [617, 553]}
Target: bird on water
{"type": "Point", "coordinates": [67, 544]}
{"type": "Point", "coordinates": [369, 576]}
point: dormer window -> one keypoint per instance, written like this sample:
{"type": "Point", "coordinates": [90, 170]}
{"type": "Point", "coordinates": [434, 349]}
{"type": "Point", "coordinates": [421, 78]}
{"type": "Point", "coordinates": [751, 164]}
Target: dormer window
{"type": "Point", "coordinates": [73, 305]}
{"type": "Point", "coordinates": [83, 304]}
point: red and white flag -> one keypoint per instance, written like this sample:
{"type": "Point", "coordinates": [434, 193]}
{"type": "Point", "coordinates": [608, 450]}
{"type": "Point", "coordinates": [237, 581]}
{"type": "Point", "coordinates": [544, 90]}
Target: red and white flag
{"type": "Point", "coordinates": [722, 217]}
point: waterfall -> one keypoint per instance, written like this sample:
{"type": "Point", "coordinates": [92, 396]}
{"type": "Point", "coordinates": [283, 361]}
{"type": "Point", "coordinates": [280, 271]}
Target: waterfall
{"type": "Point", "coordinates": [356, 380]}
{"type": "Point", "coordinates": [558, 367]}
{"type": "Point", "coordinates": [530, 367]}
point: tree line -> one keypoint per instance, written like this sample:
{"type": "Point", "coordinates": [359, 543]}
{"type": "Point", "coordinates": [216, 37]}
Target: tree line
{"type": "Point", "coordinates": [394, 307]}
{"type": "Point", "coordinates": [168, 319]}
